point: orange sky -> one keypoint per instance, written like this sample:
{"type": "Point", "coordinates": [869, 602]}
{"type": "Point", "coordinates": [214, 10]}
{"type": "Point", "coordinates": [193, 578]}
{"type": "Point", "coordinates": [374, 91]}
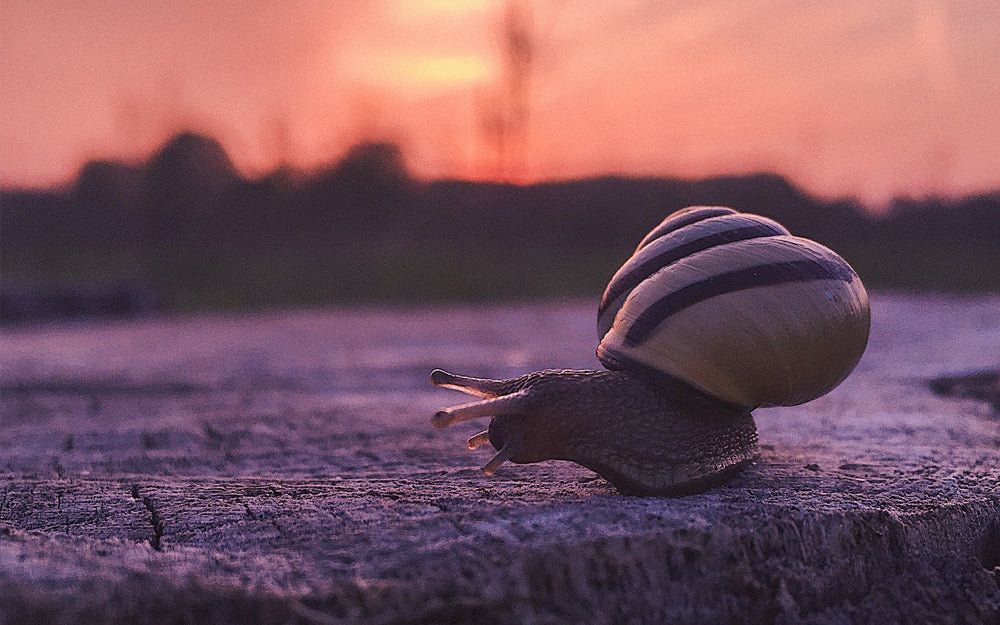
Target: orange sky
{"type": "Point", "coordinates": [852, 97]}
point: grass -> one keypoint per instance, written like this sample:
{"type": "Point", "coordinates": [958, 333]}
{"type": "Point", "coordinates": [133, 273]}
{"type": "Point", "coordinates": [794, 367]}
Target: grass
{"type": "Point", "coordinates": [407, 272]}
{"type": "Point", "coordinates": [383, 275]}
{"type": "Point", "coordinates": [930, 268]}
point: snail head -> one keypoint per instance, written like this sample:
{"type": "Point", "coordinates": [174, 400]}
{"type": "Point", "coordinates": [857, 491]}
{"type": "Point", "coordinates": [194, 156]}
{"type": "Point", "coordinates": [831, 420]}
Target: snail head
{"type": "Point", "coordinates": [528, 422]}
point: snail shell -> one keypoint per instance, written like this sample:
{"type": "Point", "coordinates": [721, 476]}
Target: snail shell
{"type": "Point", "coordinates": [735, 306]}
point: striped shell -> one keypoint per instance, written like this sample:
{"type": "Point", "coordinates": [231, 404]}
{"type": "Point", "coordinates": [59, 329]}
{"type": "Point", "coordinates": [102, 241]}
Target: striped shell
{"type": "Point", "coordinates": [734, 305]}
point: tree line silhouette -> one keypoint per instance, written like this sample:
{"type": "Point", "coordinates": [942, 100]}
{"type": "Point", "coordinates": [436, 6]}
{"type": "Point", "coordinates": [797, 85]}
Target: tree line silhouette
{"type": "Point", "coordinates": [185, 230]}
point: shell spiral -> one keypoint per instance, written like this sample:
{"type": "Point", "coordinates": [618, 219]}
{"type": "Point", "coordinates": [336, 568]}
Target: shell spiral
{"type": "Point", "coordinates": [735, 306]}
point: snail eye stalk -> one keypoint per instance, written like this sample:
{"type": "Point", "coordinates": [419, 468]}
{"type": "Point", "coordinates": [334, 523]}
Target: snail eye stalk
{"type": "Point", "coordinates": [505, 404]}
{"type": "Point", "coordinates": [479, 387]}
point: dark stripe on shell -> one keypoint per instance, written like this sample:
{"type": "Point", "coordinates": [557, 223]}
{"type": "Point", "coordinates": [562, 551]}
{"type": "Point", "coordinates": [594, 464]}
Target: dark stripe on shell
{"type": "Point", "coordinates": [692, 216]}
{"type": "Point", "coordinates": [751, 277]}
{"type": "Point", "coordinates": [633, 278]}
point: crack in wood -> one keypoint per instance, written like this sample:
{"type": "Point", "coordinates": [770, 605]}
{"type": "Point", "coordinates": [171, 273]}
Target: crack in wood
{"type": "Point", "coordinates": [154, 518]}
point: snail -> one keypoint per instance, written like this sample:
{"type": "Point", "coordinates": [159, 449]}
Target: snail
{"type": "Point", "coordinates": [715, 314]}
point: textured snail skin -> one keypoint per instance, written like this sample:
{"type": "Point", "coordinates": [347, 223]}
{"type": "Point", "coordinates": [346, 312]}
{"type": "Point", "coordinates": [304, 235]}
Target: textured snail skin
{"type": "Point", "coordinates": [646, 438]}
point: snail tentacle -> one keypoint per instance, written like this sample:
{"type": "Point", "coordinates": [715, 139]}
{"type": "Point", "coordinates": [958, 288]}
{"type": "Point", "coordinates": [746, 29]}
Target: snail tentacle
{"type": "Point", "coordinates": [513, 403]}
{"type": "Point", "coordinates": [477, 441]}
{"type": "Point", "coordinates": [502, 456]}
{"type": "Point", "coordinates": [479, 387]}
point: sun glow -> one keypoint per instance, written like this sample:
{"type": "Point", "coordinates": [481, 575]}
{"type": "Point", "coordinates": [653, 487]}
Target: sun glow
{"type": "Point", "coordinates": [441, 70]}
{"type": "Point", "coordinates": [427, 47]}
{"type": "Point", "coordinates": [409, 9]}
{"type": "Point", "coordinates": [420, 75]}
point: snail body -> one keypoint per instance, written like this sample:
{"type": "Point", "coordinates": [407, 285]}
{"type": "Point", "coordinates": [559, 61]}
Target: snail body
{"type": "Point", "coordinates": [715, 314]}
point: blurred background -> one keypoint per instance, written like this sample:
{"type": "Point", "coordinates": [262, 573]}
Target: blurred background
{"type": "Point", "coordinates": [190, 156]}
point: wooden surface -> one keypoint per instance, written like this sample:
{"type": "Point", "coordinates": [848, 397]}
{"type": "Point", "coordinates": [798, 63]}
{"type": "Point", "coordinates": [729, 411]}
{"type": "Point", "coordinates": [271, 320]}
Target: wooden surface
{"type": "Point", "coordinates": [280, 468]}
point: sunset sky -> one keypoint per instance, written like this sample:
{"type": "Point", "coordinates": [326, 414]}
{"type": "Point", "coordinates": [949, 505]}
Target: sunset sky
{"type": "Point", "coordinates": [853, 97]}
